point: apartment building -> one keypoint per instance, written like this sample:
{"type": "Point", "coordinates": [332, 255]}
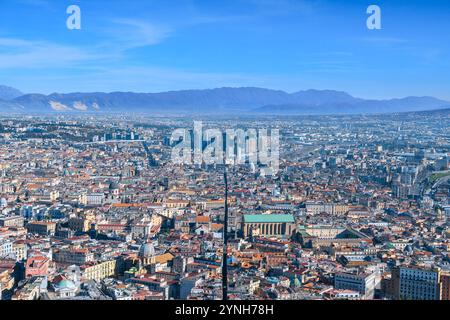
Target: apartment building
{"type": "Point", "coordinates": [417, 283]}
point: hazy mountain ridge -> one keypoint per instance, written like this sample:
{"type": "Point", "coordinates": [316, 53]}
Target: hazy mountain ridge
{"type": "Point", "coordinates": [8, 93]}
{"type": "Point", "coordinates": [220, 100]}
{"type": "Point", "coordinates": [408, 104]}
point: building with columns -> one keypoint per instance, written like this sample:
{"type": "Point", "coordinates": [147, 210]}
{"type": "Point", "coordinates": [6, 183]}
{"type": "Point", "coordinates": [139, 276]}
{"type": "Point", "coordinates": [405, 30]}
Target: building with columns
{"type": "Point", "coordinates": [269, 225]}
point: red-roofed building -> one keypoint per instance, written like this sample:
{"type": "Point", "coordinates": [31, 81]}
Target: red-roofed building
{"type": "Point", "coordinates": [36, 266]}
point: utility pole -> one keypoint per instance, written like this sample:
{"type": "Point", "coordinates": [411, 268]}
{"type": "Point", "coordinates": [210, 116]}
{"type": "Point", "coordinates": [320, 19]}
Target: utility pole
{"type": "Point", "coordinates": [225, 242]}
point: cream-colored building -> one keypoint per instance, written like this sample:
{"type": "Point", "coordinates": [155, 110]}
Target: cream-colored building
{"type": "Point", "coordinates": [313, 208]}
{"type": "Point", "coordinates": [19, 251]}
{"type": "Point", "coordinates": [98, 270]}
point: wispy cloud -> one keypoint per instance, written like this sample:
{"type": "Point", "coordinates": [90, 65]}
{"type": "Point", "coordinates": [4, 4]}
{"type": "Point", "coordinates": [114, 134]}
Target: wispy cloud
{"type": "Point", "coordinates": [133, 33]}
{"type": "Point", "coordinates": [126, 34]}
{"type": "Point", "coordinates": [19, 53]}
{"type": "Point", "coordinates": [121, 35]}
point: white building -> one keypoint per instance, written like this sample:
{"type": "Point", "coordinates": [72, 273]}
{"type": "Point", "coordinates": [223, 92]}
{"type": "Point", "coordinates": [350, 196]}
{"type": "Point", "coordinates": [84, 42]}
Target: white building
{"type": "Point", "coordinates": [364, 283]}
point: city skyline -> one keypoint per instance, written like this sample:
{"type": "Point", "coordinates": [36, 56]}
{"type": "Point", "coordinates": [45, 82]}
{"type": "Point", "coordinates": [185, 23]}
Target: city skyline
{"type": "Point", "coordinates": [285, 45]}
{"type": "Point", "coordinates": [100, 208]}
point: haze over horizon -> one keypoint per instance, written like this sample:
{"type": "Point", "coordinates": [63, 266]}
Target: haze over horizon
{"type": "Point", "coordinates": [289, 45]}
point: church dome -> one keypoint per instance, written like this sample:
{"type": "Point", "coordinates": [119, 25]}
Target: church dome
{"type": "Point", "coordinates": [65, 284]}
{"type": "Point", "coordinates": [113, 185]}
{"type": "Point", "coordinates": [147, 250]}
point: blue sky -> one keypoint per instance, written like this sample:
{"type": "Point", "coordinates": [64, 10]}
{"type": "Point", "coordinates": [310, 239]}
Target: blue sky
{"type": "Point", "coordinates": [152, 46]}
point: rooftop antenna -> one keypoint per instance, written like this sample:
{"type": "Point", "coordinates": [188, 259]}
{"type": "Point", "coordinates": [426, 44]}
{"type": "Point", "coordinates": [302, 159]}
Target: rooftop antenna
{"type": "Point", "coordinates": [225, 241]}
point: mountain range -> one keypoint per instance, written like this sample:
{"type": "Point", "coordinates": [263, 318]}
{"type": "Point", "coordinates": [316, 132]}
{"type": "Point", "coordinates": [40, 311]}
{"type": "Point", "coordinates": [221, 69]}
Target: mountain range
{"type": "Point", "coordinates": [8, 93]}
{"type": "Point", "coordinates": [246, 100]}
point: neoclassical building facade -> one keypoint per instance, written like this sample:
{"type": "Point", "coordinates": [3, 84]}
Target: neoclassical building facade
{"type": "Point", "coordinates": [270, 225]}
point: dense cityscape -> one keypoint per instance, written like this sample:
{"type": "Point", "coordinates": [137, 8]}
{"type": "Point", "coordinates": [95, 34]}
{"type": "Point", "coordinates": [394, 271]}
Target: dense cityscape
{"type": "Point", "coordinates": [92, 207]}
